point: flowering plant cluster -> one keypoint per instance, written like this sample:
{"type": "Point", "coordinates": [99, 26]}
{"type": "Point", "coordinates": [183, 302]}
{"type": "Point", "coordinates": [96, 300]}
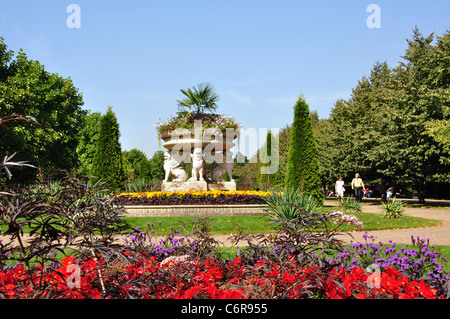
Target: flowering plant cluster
{"type": "Point", "coordinates": [342, 218]}
{"type": "Point", "coordinates": [191, 198]}
{"type": "Point", "coordinates": [303, 258]}
{"type": "Point", "coordinates": [179, 267]}
{"type": "Point", "coordinates": [418, 261]}
{"type": "Point", "coordinates": [186, 277]}
{"type": "Point", "coordinates": [187, 121]}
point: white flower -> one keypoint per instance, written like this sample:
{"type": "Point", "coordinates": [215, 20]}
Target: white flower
{"type": "Point", "coordinates": [342, 218]}
{"type": "Point", "coordinates": [173, 260]}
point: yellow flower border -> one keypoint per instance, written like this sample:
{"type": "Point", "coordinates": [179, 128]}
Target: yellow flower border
{"type": "Point", "coordinates": [213, 193]}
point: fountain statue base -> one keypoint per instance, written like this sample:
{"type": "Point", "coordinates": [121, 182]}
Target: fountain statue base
{"type": "Point", "coordinates": [197, 186]}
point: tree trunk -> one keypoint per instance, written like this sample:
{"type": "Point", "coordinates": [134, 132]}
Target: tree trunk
{"type": "Point", "coordinates": [421, 192]}
{"type": "Point", "coordinates": [383, 190]}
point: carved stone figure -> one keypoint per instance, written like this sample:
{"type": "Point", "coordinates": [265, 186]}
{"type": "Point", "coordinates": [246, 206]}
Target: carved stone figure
{"type": "Point", "coordinates": [226, 166]}
{"type": "Point", "coordinates": [197, 165]}
{"type": "Point", "coordinates": [171, 166]}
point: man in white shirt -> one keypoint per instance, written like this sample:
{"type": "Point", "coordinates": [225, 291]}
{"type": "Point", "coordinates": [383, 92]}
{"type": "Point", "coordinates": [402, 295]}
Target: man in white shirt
{"type": "Point", "coordinates": [339, 188]}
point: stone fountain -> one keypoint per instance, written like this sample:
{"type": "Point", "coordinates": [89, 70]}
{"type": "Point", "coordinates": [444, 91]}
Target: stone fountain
{"type": "Point", "coordinates": [198, 146]}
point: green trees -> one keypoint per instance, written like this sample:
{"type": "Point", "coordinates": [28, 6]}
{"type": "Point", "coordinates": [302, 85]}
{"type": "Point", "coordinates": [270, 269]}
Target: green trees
{"type": "Point", "coordinates": [107, 162]}
{"type": "Point", "coordinates": [27, 88]}
{"type": "Point", "coordinates": [284, 137]}
{"type": "Point", "coordinates": [439, 128]}
{"type": "Point", "coordinates": [157, 165]}
{"type": "Point", "coordinates": [266, 154]}
{"type": "Point", "coordinates": [87, 143]}
{"type": "Point", "coordinates": [98, 151]}
{"type": "Point", "coordinates": [423, 95]}
{"type": "Point", "coordinates": [390, 128]}
{"type": "Point", "coordinates": [302, 165]}
{"type": "Point", "coordinates": [67, 137]}
{"type": "Point", "coordinates": [136, 164]}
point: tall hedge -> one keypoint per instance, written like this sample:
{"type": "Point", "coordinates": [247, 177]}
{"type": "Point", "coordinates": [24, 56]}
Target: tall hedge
{"type": "Point", "coordinates": [303, 165]}
{"type": "Point", "coordinates": [107, 163]}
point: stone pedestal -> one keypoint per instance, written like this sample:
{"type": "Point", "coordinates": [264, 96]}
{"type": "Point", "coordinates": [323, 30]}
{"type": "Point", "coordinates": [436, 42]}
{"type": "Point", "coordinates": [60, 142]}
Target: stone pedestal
{"type": "Point", "coordinates": [184, 186]}
{"type": "Point", "coordinates": [197, 186]}
{"type": "Point", "coordinates": [222, 186]}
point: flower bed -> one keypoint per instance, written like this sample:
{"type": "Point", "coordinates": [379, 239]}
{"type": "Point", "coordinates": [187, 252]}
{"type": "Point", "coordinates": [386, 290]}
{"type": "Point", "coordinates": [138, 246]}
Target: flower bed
{"type": "Point", "coordinates": [191, 198]}
{"type": "Point", "coordinates": [417, 261]}
{"type": "Point", "coordinates": [187, 121]}
{"type": "Point", "coordinates": [207, 280]}
{"type": "Point", "coordinates": [188, 268]}
{"type": "Point", "coordinates": [303, 258]}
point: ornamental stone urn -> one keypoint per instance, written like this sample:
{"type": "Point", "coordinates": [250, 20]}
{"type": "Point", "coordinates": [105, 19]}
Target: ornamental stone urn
{"type": "Point", "coordinates": [198, 146]}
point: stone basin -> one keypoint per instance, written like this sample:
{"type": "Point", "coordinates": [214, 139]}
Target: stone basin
{"type": "Point", "coordinates": [208, 139]}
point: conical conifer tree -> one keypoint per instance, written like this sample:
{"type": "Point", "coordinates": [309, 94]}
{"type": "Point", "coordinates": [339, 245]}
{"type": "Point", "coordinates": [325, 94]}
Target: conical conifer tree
{"type": "Point", "coordinates": [263, 177]}
{"type": "Point", "coordinates": [107, 162]}
{"type": "Point", "coordinates": [303, 165]}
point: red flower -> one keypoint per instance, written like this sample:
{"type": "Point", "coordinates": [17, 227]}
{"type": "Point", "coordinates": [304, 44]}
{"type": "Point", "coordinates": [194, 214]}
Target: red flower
{"type": "Point", "coordinates": [424, 290]}
{"type": "Point", "coordinates": [211, 280]}
{"type": "Point", "coordinates": [69, 260]}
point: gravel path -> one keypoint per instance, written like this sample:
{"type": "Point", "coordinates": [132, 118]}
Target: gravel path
{"type": "Point", "coordinates": [438, 235]}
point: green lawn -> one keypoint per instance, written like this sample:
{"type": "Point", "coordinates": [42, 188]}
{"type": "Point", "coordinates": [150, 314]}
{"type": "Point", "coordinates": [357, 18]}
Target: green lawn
{"type": "Point", "coordinates": [377, 222]}
{"type": "Point", "coordinates": [260, 224]}
{"type": "Point", "coordinates": [221, 224]}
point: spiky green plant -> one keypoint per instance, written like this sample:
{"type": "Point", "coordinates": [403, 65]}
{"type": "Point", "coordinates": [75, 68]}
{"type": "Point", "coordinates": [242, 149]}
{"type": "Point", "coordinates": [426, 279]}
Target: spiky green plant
{"type": "Point", "coordinates": [349, 204]}
{"type": "Point", "coordinates": [393, 209]}
{"type": "Point", "coordinates": [290, 204]}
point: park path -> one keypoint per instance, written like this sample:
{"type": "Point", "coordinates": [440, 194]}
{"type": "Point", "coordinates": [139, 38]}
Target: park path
{"type": "Point", "coordinates": [438, 235]}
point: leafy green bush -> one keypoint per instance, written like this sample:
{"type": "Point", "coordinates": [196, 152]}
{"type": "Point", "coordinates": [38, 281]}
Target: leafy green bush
{"type": "Point", "coordinates": [393, 209]}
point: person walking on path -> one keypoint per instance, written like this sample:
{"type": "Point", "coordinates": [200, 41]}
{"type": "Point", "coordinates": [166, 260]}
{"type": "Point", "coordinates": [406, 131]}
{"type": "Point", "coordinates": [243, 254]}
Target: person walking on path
{"type": "Point", "coordinates": [357, 186]}
{"type": "Point", "coordinates": [339, 188]}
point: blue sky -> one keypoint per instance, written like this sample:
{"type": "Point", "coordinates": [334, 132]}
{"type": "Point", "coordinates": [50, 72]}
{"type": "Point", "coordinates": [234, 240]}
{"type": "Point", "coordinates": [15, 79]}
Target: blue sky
{"type": "Point", "coordinates": [260, 55]}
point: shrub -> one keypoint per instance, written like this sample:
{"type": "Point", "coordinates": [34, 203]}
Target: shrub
{"type": "Point", "coordinates": [303, 165]}
{"type": "Point", "coordinates": [55, 217]}
{"type": "Point", "coordinates": [393, 209]}
{"type": "Point", "coordinates": [139, 185]}
{"type": "Point", "coordinates": [190, 266]}
{"type": "Point", "coordinates": [107, 162]}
